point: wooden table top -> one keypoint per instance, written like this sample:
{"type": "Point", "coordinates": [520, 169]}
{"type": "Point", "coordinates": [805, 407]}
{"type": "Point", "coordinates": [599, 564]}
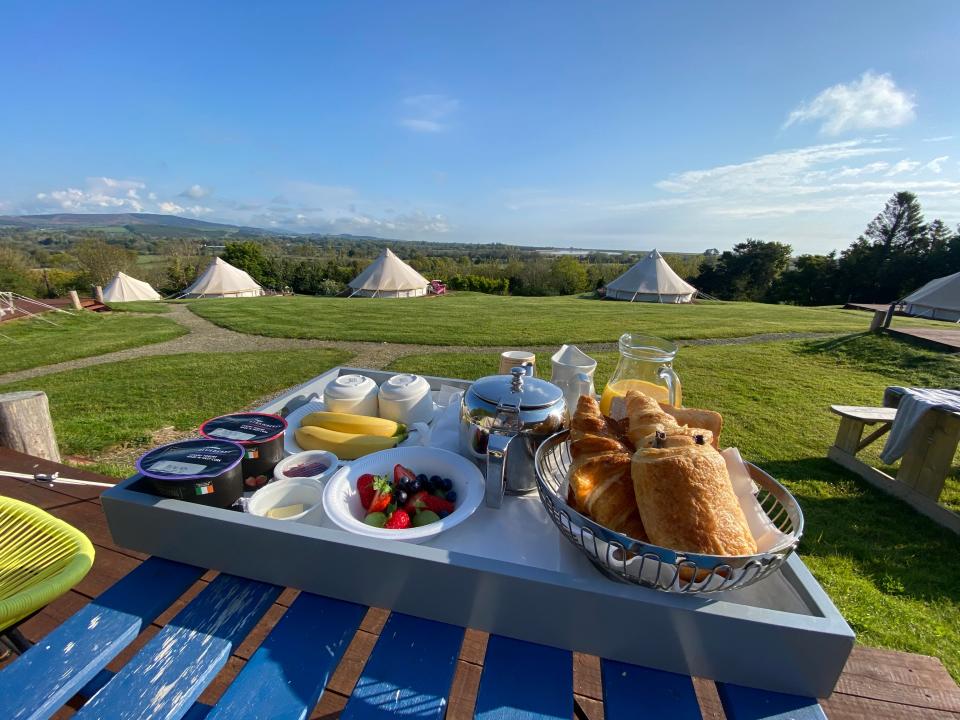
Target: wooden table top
{"type": "Point", "coordinates": [875, 683]}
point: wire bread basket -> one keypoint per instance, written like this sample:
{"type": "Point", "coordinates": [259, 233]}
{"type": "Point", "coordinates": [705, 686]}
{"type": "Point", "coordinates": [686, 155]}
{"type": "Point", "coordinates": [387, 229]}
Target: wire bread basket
{"type": "Point", "coordinates": [628, 560]}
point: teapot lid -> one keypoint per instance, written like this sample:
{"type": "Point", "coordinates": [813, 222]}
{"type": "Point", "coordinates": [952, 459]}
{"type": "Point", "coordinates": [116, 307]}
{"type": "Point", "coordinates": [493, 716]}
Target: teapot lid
{"type": "Point", "coordinates": [533, 392]}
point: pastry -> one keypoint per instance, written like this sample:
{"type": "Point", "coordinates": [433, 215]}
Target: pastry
{"type": "Point", "coordinates": [678, 437]}
{"type": "Point", "coordinates": [601, 485]}
{"type": "Point", "coordinates": [687, 502]}
{"type": "Point", "coordinates": [645, 417]}
{"type": "Point", "coordinates": [708, 419]}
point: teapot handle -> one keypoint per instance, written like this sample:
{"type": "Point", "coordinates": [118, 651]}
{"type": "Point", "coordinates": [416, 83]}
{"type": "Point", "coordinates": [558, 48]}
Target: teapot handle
{"type": "Point", "coordinates": [672, 380]}
{"type": "Point", "coordinates": [496, 485]}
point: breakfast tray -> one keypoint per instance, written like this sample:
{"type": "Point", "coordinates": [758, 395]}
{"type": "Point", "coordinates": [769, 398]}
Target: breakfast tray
{"type": "Point", "coordinates": [508, 571]}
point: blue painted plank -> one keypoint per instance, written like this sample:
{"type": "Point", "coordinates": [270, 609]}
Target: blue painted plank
{"type": "Point", "coordinates": [525, 681]}
{"type": "Point", "coordinates": [39, 682]}
{"type": "Point", "coordinates": [287, 674]}
{"type": "Point", "coordinates": [631, 691]}
{"type": "Point", "coordinates": [743, 703]}
{"type": "Point", "coordinates": [409, 671]}
{"type": "Point", "coordinates": [171, 670]}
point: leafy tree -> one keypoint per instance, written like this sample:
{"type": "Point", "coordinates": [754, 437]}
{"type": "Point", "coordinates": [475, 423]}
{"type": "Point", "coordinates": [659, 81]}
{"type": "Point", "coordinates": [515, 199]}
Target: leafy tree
{"type": "Point", "coordinates": [568, 276]}
{"type": "Point", "coordinates": [811, 281]}
{"type": "Point", "coordinates": [745, 273]}
{"type": "Point", "coordinates": [250, 257]}
{"type": "Point", "coordinates": [100, 261]}
{"type": "Point", "coordinates": [15, 274]}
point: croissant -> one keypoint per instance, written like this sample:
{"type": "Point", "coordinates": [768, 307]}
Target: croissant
{"type": "Point", "coordinates": [678, 437]}
{"type": "Point", "coordinates": [600, 476]}
{"type": "Point", "coordinates": [687, 501]}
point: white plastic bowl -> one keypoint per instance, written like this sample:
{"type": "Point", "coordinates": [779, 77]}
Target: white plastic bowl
{"type": "Point", "coordinates": [281, 493]}
{"type": "Point", "coordinates": [304, 458]}
{"type": "Point", "coordinates": [341, 502]}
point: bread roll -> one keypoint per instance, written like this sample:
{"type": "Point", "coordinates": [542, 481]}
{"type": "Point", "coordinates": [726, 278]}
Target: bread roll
{"type": "Point", "coordinates": [687, 502]}
{"type": "Point", "coordinates": [645, 417]}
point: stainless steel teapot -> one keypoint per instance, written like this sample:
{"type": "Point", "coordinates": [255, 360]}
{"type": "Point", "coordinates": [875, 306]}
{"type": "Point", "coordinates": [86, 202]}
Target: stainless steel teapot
{"type": "Point", "coordinates": [503, 419]}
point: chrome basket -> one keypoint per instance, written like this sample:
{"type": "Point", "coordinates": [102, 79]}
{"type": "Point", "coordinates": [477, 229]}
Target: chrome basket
{"type": "Point", "coordinates": [633, 561]}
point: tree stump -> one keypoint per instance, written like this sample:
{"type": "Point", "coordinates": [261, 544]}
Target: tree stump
{"type": "Point", "coordinates": [26, 425]}
{"type": "Point", "coordinates": [98, 293]}
{"type": "Point", "coordinates": [75, 300]}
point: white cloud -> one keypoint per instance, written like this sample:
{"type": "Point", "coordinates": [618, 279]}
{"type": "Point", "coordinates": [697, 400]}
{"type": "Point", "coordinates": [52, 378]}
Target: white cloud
{"type": "Point", "coordinates": [196, 192]}
{"type": "Point", "coordinates": [428, 113]}
{"type": "Point", "coordinates": [904, 166]}
{"type": "Point", "coordinates": [938, 138]}
{"type": "Point", "coordinates": [936, 165]}
{"type": "Point", "coordinates": [868, 169]}
{"type": "Point", "coordinates": [102, 194]}
{"type": "Point", "coordinates": [873, 101]}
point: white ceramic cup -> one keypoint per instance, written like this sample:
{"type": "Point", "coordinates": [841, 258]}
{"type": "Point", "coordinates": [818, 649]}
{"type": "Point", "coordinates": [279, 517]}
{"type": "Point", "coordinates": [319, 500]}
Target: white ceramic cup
{"type": "Point", "coordinates": [406, 399]}
{"type": "Point", "coordinates": [352, 394]}
{"type": "Point", "coordinates": [516, 358]}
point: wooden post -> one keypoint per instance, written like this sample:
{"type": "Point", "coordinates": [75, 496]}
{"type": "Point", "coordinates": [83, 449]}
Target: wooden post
{"type": "Point", "coordinates": [879, 317]}
{"type": "Point", "coordinates": [889, 316]}
{"type": "Point", "coordinates": [98, 293]}
{"type": "Point", "coordinates": [26, 425]}
{"type": "Point", "coordinates": [75, 299]}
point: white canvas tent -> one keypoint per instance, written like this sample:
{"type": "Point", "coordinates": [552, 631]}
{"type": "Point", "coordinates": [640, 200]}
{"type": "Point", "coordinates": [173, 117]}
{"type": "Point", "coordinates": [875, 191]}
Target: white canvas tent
{"type": "Point", "coordinates": [938, 300]}
{"type": "Point", "coordinates": [389, 276]}
{"type": "Point", "coordinates": [124, 288]}
{"type": "Point", "coordinates": [222, 280]}
{"type": "Point", "coordinates": [651, 280]}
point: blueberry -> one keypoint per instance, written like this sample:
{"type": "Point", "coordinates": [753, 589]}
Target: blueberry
{"type": "Point", "coordinates": [401, 497]}
{"type": "Point", "coordinates": [415, 486]}
{"type": "Point", "coordinates": [451, 496]}
{"type": "Point", "coordinates": [443, 514]}
{"type": "Point", "coordinates": [422, 478]}
{"type": "Point", "coordinates": [446, 484]}
{"type": "Point", "coordinates": [435, 480]}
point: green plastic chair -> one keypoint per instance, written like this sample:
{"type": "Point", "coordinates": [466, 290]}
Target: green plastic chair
{"type": "Point", "coordinates": [41, 558]}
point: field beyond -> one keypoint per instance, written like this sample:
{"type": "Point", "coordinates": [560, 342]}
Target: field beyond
{"type": "Point", "coordinates": [492, 320]}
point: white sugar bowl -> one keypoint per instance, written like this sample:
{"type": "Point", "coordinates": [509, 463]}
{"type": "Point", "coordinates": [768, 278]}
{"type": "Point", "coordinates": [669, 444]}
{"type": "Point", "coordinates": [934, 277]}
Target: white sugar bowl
{"type": "Point", "coordinates": [406, 399]}
{"type": "Point", "coordinates": [352, 394]}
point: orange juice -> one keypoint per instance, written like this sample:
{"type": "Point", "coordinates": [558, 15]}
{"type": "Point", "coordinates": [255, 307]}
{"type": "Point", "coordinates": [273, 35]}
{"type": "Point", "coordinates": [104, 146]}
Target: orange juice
{"type": "Point", "coordinates": [621, 387]}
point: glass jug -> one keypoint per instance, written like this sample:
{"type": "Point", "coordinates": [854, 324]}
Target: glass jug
{"type": "Point", "coordinates": [645, 365]}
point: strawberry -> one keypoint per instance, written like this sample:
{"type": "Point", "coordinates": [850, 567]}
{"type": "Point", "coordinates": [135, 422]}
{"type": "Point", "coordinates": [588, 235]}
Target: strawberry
{"type": "Point", "coordinates": [438, 505]}
{"type": "Point", "coordinates": [365, 490]}
{"type": "Point", "coordinates": [382, 494]}
{"type": "Point", "coordinates": [400, 473]}
{"type": "Point", "coordinates": [398, 521]}
{"type": "Point", "coordinates": [416, 502]}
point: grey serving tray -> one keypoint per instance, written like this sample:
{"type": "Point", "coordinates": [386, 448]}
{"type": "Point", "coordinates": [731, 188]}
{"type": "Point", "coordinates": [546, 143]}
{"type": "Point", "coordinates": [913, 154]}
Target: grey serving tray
{"type": "Point", "coordinates": [782, 634]}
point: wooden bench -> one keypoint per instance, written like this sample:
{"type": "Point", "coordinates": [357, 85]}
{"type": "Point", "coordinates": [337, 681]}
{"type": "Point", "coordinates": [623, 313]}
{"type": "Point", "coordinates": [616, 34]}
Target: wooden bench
{"type": "Point", "coordinates": [924, 466]}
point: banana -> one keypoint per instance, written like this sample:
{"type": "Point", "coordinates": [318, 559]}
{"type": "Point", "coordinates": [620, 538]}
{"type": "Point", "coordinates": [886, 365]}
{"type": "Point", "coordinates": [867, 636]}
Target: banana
{"type": "Point", "coordinates": [346, 446]}
{"type": "Point", "coordinates": [353, 424]}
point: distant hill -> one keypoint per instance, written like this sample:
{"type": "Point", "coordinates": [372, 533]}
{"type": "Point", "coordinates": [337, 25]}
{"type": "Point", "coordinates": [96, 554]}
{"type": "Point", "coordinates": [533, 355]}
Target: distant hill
{"type": "Point", "coordinates": [136, 223]}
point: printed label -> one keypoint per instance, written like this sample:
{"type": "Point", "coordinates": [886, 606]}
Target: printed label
{"type": "Point", "coordinates": [178, 468]}
{"type": "Point", "coordinates": [204, 489]}
{"type": "Point", "coordinates": [231, 434]}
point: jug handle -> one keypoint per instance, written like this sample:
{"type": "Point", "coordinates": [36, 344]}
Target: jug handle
{"type": "Point", "coordinates": [667, 374]}
{"type": "Point", "coordinates": [496, 484]}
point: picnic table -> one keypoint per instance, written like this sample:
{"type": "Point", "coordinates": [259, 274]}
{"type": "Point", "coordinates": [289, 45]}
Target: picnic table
{"type": "Point", "coordinates": [409, 673]}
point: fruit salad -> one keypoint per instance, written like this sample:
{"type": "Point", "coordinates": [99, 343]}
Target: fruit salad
{"type": "Point", "coordinates": [406, 499]}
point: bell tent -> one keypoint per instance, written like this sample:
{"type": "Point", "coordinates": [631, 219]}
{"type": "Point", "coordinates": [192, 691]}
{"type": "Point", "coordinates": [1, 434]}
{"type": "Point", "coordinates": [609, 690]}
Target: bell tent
{"type": "Point", "coordinates": [938, 300]}
{"type": "Point", "coordinates": [651, 280]}
{"type": "Point", "coordinates": [124, 288]}
{"type": "Point", "coordinates": [223, 280]}
{"type": "Point", "coordinates": [389, 276]}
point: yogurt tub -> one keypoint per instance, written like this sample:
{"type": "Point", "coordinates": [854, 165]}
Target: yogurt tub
{"type": "Point", "coordinates": [260, 435]}
{"type": "Point", "coordinates": [286, 499]}
{"type": "Point", "coordinates": [352, 394]}
{"type": "Point", "coordinates": [201, 471]}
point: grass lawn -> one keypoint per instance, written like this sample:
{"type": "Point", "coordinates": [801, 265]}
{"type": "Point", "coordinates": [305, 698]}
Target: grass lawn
{"type": "Point", "coordinates": [31, 343]}
{"type": "Point", "coordinates": [476, 319]}
{"type": "Point", "coordinates": [102, 406]}
{"type": "Point", "coordinates": [141, 306]}
{"type": "Point", "coordinates": [891, 571]}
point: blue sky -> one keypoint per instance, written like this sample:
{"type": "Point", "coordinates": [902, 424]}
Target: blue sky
{"type": "Point", "coordinates": [595, 124]}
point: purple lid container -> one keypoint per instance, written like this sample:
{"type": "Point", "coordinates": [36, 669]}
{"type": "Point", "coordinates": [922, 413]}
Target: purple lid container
{"type": "Point", "coordinates": [190, 460]}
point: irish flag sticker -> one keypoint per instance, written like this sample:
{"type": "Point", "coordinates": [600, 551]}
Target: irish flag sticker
{"type": "Point", "coordinates": [204, 489]}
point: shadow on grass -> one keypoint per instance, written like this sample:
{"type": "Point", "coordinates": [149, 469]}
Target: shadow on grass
{"type": "Point", "coordinates": [900, 551]}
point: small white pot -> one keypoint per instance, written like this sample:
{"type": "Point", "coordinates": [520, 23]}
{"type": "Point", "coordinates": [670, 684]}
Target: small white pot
{"type": "Point", "coordinates": [406, 399]}
{"type": "Point", "coordinates": [352, 394]}
{"type": "Point", "coordinates": [282, 493]}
